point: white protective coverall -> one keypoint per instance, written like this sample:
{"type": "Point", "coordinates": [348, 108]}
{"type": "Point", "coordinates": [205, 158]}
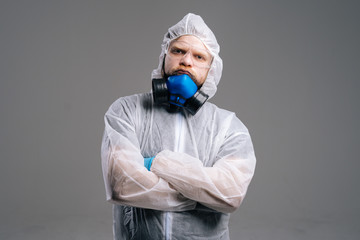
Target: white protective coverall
{"type": "Point", "coordinates": [203, 165]}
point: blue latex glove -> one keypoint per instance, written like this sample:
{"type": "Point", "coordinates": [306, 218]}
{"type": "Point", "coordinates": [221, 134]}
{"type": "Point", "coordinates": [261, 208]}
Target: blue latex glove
{"type": "Point", "coordinates": [148, 162]}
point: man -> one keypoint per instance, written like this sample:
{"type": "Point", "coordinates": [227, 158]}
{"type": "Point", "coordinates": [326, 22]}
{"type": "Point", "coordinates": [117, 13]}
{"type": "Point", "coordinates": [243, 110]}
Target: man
{"type": "Point", "coordinates": [174, 164]}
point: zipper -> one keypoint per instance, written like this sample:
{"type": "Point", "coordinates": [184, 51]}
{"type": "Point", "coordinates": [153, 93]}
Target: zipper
{"type": "Point", "coordinates": [179, 134]}
{"type": "Point", "coordinates": [168, 221]}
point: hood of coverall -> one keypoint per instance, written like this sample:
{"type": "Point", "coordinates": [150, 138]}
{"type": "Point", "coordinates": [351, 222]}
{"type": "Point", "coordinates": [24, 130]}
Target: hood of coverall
{"type": "Point", "coordinates": [194, 25]}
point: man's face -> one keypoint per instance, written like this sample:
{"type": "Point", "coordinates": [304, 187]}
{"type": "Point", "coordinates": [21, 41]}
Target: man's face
{"type": "Point", "coordinates": [188, 55]}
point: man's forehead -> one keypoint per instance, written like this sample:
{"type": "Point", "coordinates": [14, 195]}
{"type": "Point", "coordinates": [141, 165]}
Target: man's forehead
{"type": "Point", "coordinates": [191, 40]}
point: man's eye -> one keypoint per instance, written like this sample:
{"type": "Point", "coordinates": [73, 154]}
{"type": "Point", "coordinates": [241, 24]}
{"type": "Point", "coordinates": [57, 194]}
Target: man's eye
{"type": "Point", "coordinates": [177, 51]}
{"type": "Point", "coordinates": [200, 57]}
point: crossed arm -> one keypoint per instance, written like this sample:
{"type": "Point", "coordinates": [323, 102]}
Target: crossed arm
{"type": "Point", "coordinates": [177, 181]}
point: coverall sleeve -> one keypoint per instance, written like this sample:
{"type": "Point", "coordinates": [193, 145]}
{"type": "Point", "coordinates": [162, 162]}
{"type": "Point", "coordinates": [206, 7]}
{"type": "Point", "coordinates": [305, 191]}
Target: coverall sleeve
{"type": "Point", "coordinates": [127, 181]}
{"type": "Point", "coordinates": [221, 187]}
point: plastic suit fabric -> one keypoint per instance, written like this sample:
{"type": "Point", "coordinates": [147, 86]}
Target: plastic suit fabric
{"type": "Point", "coordinates": [202, 167]}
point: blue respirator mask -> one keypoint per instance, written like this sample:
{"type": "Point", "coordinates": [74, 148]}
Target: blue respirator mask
{"type": "Point", "coordinates": [178, 91]}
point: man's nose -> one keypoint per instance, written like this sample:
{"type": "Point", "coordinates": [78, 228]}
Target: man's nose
{"type": "Point", "coordinates": [187, 60]}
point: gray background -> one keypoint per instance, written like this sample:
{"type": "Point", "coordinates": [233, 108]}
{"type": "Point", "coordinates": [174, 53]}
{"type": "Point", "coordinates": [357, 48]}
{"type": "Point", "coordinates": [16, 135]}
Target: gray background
{"type": "Point", "coordinates": [291, 74]}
